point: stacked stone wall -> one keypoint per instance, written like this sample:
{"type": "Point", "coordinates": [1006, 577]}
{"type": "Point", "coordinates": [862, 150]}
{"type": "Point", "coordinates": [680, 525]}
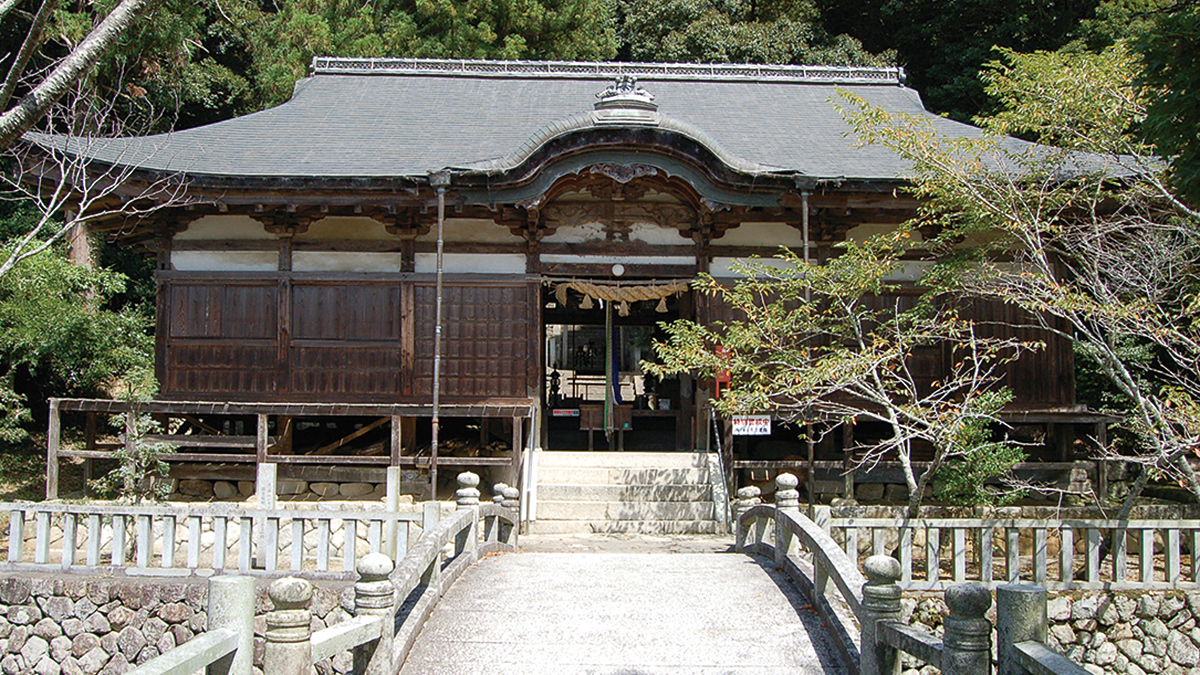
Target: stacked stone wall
{"type": "Point", "coordinates": [1110, 633]}
{"type": "Point", "coordinates": [52, 626]}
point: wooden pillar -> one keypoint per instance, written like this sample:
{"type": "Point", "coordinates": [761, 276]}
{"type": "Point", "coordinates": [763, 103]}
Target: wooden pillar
{"type": "Point", "coordinates": [514, 476]}
{"type": "Point", "coordinates": [53, 437]}
{"type": "Point", "coordinates": [848, 462]}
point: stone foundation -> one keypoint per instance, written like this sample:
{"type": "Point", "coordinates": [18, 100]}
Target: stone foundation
{"type": "Point", "coordinates": [105, 627]}
{"type": "Point", "coordinates": [1110, 633]}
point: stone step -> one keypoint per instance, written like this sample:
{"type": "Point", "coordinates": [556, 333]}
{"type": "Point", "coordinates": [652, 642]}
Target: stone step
{"type": "Point", "coordinates": [624, 510]}
{"type": "Point", "coordinates": [624, 493]}
{"type": "Point", "coordinates": [623, 460]}
{"type": "Point", "coordinates": [624, 527]}
{"type": "Point", "coordinates": [598, 476]}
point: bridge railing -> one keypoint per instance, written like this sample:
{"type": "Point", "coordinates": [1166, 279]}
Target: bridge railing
{"type": "Point", "coordinates": [391, 602]}
{"type": "Point", "coordinates": [937, 552]}
{"type": "Point", "coordinates": [780, 530]}
{"type": "Point", "coordinates": [171, 540]}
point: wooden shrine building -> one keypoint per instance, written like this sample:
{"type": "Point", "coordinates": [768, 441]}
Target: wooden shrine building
{"type": "Point", "coordinates": [298, 276]}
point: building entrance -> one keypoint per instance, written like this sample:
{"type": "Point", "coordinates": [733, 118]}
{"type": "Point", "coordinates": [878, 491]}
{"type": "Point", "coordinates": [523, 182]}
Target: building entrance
{"type": "Point", "coordinates": [597, 396]}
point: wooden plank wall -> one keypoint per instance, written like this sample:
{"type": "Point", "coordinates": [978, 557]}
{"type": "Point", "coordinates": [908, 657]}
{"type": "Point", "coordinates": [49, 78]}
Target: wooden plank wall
{"type": "Point", "coordinates": [1040, 379]}
{"type": "Point", "coordinates": [345, 340]}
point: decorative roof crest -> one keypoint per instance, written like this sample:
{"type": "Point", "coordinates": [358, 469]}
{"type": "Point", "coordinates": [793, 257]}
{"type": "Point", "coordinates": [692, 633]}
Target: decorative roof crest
{"type": "Point", "coordinates": [625, 93]}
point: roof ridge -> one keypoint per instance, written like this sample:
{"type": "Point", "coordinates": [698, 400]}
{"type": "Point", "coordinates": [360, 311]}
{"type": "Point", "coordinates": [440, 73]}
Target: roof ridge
{"type": "Point", "coordinates": [889, 75]}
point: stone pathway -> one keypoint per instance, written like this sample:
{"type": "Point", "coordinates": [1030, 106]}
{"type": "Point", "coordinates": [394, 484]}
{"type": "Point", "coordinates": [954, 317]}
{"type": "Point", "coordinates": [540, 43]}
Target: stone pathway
{"type": "Point", "coordinates": [622, 614]}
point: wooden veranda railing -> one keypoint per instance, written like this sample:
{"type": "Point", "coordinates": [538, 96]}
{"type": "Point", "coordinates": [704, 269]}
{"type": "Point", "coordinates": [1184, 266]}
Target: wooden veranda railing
{"type": "Point", "coordinates": [262, 450]}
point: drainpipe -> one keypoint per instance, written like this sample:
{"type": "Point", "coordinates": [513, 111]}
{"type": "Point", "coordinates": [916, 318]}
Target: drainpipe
{"type": "Point", "coordinates": [440, 181]}
{"type": "Point", "coordinates": [812, 480]}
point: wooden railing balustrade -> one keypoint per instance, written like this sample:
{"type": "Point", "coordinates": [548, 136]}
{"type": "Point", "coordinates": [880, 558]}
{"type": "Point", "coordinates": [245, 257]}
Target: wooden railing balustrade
{"type": "Point", "coordinates": [936, 552]}
{"type": "Point", "coordinates": [171, 540]}
{"type": "Point", "coordinates": [391, 602]}
{"type": "Point", "coordinates": [780, 531]}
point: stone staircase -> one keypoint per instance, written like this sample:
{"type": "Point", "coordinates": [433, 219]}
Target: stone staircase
{"type": "Point", "coordinates": [631, 492]}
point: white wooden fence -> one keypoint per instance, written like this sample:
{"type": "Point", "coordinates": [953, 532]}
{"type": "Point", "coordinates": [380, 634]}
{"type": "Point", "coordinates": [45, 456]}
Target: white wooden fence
{"type": "Point", "coordinates": [178, 540]}
{"type": "Point", "coordinates": [1057, 554]}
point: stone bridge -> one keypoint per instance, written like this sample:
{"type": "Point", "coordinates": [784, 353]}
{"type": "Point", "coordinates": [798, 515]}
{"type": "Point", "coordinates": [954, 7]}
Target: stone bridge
{"type": "Point", "coordinates": [628, 613]}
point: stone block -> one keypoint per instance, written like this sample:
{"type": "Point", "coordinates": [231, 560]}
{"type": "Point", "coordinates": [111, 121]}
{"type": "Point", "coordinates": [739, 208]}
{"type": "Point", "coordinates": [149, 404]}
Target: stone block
{"type": "Point", "coordinates": [176, 612]}
{"type": "Point", "coordinates": [1131, 648]}
{"type": "Point", "coordinates": [291, 487]}
{"type": "Point", "coordinates": [1182, 650]}
{"type": "Point", "coordinates": [1147, 605]}
{"type": "Point", "coordinates": [1063, 633]}
{"type": "Point", "coordinates": [34, 649]}
{"type": "Point", "coordinates": [84, 643]}
{"type": "Point", "coordinates": [1155, 628]}
{"type": "Point", "coordinates": [97, 624]}
{"type": "Point", "coordinates": [108, 643]}
{"type": "Point", "coordinates": [181, 633]}
{"type": "Point", "coordinates": [117, 665]}
{"type": "Point", "coordinates": [47, 629]}
{"type": "Point", "coordinates": [871, 492]}
{"type": "Point", "coordinates": [1171, 605]}
{"type": "Point", "coordinates": [895, 494]}
{"type": "Point", "coordinates": [17, 639]}
{"type": "Point", "coordinates": [72, 627]}
{"type": "Point", "coordinates": [352, 490]}
{"type": "Point", "coordinates": [24, 615]}
{"type": "Point", "coordinates": [97, 592]}
{"type": "Point", "coordinates": [130, 641]}
{"type": "Point", "coordinates": [153, 629]}
{"type": "Point", "coordinates": [60, 648]}
{"type": "Point", "coordinates": [47, 666]}
{"type": "Point", "coordinates": [15, 590]}
{"type": "Point", "coordinates": [1126, 607]}
{"type": "Point", "coordinates": [83, 608]}
{"type": "Point", "coordinates": [225, 491]}
{"type": "Point", "coordinates": [324, 489]}
{"type": "Point", "coordinates": [1105, 654]}
{"type": "Point", "coordinates": [245, 487]}
{"type": "Point", "coordinates": [91, 662]}
{"type": "Point", "coordinates": [196, 488]}
{"type": "Point", "coordinates": [12, 664]}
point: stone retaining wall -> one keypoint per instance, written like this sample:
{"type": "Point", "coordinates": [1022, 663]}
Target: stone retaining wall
{"type": "Point", "coordinates": [69, 626]}
{"type": "Point", "coordinates": [1110, 633]}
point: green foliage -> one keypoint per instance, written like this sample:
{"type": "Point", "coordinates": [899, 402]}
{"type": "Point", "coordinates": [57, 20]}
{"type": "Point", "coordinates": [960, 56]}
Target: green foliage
{"type": "Point", "coordinates": [943, 45]}
{"type": "Point", "coordinates": [185, 63]}
{"type": "Point", "coordinates": [1172, 72]}
{"type": "Point", "coordinates": [1103, 252]}
{"type": "Point", "coordinates": [142, 470]}
{"type": "Point", "coordinates": [963, 480]}
{"type": "Point", "coordinates": [816, 342]}
{"type": "Point", "coordinates": [286, 40]}
{"type": "Point", "coordinates": [735, 31]}
{"type": "Point", "coordinates": [55, 340]}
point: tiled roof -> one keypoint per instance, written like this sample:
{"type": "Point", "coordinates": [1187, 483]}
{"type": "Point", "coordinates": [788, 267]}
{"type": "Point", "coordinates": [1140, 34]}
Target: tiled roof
{"type": "Point", "coordinates": [379, 118]}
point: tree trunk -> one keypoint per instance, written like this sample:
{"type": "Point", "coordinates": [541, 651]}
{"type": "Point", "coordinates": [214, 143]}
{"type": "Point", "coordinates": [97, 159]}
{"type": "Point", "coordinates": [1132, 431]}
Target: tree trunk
{"type": "Point", "coordinates": [34, 106]}
{"type": "Point", "coordinates": [32, 40]}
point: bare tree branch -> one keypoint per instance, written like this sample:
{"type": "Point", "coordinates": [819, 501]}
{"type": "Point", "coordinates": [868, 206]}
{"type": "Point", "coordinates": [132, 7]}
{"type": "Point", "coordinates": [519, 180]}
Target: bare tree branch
{"type": "Point", "coordinates": [37, 103]}
{"type": "Point", "coordinates": [32, 40]}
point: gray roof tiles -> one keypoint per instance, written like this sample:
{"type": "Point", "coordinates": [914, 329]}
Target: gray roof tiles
{"type": "Point", "coordinates": [398, 118]}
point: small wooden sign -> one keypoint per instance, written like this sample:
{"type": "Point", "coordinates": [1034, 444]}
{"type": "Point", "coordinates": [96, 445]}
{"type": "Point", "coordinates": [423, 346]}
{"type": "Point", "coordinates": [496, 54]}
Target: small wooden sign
{"type": "Point", "coordinates": [751, 425]}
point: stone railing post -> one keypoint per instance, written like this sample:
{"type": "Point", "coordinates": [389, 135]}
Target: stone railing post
{"type": "Point", "coordinates": [747, 498]}
{"type": "Point", "coordinates": [231, 605]}
{"type": "Point", "coordinates": [967, 643]}
{"type": "Point", "coordinates": [512, 500]}
{"type": "Point", "coordinates": [787, 500]}
{"type": "Point", "coordinates": [821, 516]}
{"type": "Point", "coordinates": [880, 602]}
{"type": "Point", "coordinates": [498, 493]}
{"type": "Point", "coordinates": [467, 497]}
{"type": "Point", "coordinates": [375, 595]}
{"type": "Point", "coordinates": [289, 628]}
{"type": "Point", "coordinates": [1020, 616]}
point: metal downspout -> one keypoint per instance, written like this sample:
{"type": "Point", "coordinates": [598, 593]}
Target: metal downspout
{"type": "Point", "coordinates": [440, 181]}
{"type": "Point", "coordinates": [812, 479]}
